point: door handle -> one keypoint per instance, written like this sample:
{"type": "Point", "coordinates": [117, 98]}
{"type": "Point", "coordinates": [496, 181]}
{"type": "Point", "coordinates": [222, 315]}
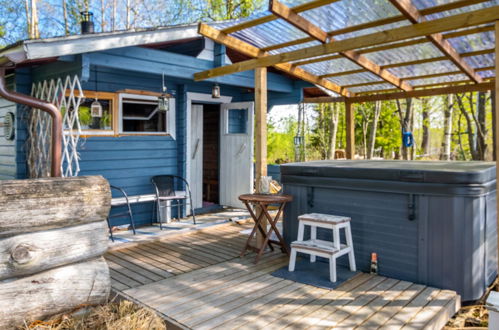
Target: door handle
{"type": "Point", "coordinates": [195, 149]}
{"type": "Point", "coordinates": [243, 147]}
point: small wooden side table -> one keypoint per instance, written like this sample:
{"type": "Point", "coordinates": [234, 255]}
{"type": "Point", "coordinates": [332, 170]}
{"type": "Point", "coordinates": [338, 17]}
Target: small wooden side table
{"type": "Point", "coordinates": [263, 201]}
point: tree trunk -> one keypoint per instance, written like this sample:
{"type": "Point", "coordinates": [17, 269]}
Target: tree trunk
{"type": "Point", "coordinates": [372, 132]}
{"type": "Point", "coordinates": [405, 123]}
{"type": "Point", "coordinates": [446, 142]}
{"type": "Point", "coordinates": [494, 114]}
{"type": "Point", "coordinates": [335, 112]}
{"type": "Point", "coordinates": [31, 253]}
{"type": "Point", "coordinates": [472, 143]}
{"type": "Point", "coordinates": [102, 16]}
{"type": "Point", "coordinates": [28, 17]}
{"type": "Point", "coordinates": [127, 15]}
{"type": "Point", "coordinates": [113, 16]}
{"type": "Point", "coordinates": [425, 141]}
{"type": "Point", "coordinates": [53, 291]}
{"type": "Point", "coordinates": [52, 203]}
{"type": "Point", "coordinates": [481, 125]}
{"type": "Point", "coordinates": [35, 32]}
{"type": "Point", "coordinates": [65, 17]}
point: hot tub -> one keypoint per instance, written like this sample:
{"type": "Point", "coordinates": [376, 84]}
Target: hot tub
{"type": "Point", "coordinates": [432, 223]}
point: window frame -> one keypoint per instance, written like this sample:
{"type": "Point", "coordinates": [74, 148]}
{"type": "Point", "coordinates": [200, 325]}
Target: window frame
{"type": "Point", "coordinates": [227, 118]}
{"type": "Point", "coordinates": [113, 97]}
{"type": "Point", "coordinates": [170, 115]}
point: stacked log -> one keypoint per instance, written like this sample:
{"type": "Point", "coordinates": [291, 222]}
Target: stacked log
{"type": "Point", "coordinates": [53, 234]}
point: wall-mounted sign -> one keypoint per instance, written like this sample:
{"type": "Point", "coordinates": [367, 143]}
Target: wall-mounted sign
{"type": "Point", "coordinates": [8, 124]}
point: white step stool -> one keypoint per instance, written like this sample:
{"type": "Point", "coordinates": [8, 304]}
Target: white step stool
{"type": "Point", "coordinates": [320, 248]}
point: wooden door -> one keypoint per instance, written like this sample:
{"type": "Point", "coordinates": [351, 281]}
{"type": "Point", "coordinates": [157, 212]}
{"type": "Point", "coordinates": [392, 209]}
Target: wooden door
{"type": "Point", "coordinates": [236, 152]}
{"type": "Point", "coordinates": [196, 156]}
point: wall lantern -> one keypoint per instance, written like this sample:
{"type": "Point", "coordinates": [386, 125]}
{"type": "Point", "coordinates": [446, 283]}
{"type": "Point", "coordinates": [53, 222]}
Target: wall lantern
{"type": "Point", "coordinates": [163, 99]}
{"type": "Point", "coordinates": [96, 109]}
{"type": "Point", "coordinates": [215, 91]}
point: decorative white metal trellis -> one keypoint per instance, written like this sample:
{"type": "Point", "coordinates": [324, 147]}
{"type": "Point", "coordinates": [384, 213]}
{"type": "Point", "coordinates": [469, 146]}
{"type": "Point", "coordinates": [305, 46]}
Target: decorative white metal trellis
{"type": "Point", "coordinates": [66, 95]}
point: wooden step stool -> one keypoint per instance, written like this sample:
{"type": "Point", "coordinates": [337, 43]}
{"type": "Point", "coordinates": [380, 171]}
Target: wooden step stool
{"type": "Point", "coordinates": [320, 248]}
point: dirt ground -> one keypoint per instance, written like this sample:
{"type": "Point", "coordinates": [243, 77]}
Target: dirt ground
{"type": "Point", "coordinates": [122, 315]}
{"type": "Point", "coordinates": [473, 315]}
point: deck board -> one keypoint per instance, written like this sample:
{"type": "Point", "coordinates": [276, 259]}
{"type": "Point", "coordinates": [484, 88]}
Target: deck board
{"type": "Point", "coordinates": [197, 280]}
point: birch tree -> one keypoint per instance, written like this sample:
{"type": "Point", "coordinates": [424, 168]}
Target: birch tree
{"type": "Point", "coordinates": [425, 114]}
{"type": "Point", "coordinates": [405, 115]}
{"type": "Point", "coordinates": [372, 131]}
{"type": "Point", "coordinates": [447, 129]}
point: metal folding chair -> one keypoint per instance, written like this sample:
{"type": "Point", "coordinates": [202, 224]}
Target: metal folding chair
{"type": "Point", "coordinates": [119, 203]}
{"type": "Point", "coordinates": [166, 192]}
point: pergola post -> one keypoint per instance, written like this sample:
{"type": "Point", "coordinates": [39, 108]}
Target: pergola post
{"type": "Point", "coordinates": [350, 128]}
{"type": "Point", "coordinates": [496, 135]}
{"type": "Point", "coordinates": [261, 133]}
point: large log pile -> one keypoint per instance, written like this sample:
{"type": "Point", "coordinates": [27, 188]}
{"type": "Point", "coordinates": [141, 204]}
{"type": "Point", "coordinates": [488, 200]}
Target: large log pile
{"type": "Point", "coordinates": [53, 234]}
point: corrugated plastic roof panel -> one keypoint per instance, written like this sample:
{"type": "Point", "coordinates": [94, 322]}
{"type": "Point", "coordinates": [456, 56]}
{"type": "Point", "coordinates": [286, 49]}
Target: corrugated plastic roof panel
{"type": "Point", "coordinates": [331, 66]}
{"type": "Point", "coordinates": [469, 8]}
{"type": "Point", "coordinates": [271, 33]}
{"type": "Point", "coordinates": [357, 78]}
{"type": "Point", "coordinates": [438, 80]}
{"type": "Point", "coordinates": [480, 61]}
{"type": "Point", "coordinates": [487, 74]}
{"type": "Point", "coordinates": [347, 13]}
{"type": "Point", "coordinates": [473, 42]}
{"type": "Point", "coordinates": [404, 54]}
{"type": "Point", "coordinates": [424, 69]}
{"type": "Point", "coordinates": [371, 88]}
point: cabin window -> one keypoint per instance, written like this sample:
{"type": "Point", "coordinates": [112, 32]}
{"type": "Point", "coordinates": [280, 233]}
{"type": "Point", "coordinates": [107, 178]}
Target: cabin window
{"type": "Point", "coordinates": [139, 114]}
{"type": "Point", "coordinates": [94, 122]}
{"type": "Point", "coordinates": [237, 121]}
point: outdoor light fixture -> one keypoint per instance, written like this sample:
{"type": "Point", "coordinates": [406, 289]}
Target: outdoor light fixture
{"type": "Point", "coordinates": [163, 99]}
{"type": "Point", "coordinates": [96, 109]}
{"type": "Point", "coordinates": [95, 106]}
{"type": "Point", "coordinates": [215, 92]}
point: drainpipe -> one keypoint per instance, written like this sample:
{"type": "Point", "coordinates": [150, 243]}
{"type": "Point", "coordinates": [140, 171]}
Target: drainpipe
{"type": "Point", "coordinates": [55, 164]}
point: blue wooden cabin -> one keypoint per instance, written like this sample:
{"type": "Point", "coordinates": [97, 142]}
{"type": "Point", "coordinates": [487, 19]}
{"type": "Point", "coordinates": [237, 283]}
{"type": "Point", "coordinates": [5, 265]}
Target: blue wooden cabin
{"type": "Point", "coordinates": [125, 71]}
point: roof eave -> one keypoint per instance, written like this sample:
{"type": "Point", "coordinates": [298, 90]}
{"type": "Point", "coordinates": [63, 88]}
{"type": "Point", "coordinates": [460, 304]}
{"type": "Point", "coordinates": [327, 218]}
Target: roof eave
{"type": "Point", "coordinates": [38, 49]}
{"type": "Point", "coordinates": [13, 56]}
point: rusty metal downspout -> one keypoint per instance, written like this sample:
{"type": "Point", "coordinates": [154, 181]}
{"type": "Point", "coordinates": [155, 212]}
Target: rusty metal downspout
{"type": "Point", "coordinates": [55, 164]}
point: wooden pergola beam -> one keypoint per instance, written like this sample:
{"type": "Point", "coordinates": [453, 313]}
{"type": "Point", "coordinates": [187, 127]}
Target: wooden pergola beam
{"type": "Point", "coordinates": [301, 23]}
{"type": "Point", "coordinates": [407, 8]}
{"type": "Point", "coordinates": [384, 21]}
{"type": "Point", "coordinates": [486, 86]}
{"type": "Point", "coordinates": [308, 27]}
{"type": "Point", "coordinates": [252, 51]}
{"type": "Point", "coordinates": [463, 20]}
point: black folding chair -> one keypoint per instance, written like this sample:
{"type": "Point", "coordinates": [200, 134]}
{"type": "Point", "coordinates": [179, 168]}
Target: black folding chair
{"type": "Point", "coordinates": [166, 191]}
{"type": "Point", "coordinates": [126, 203]}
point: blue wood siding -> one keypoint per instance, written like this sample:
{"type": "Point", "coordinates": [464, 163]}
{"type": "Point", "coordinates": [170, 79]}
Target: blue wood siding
{"type": "Point", "coordinates": [129, 162]}
{"type": "Point", "coordinates": [12, 155]}
{"type": "Point", "coordinates": [8, 169]}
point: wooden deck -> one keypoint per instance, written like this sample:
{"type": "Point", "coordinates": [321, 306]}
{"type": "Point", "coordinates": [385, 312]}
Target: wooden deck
{"type": "Point", "coordinates": [198, 281]}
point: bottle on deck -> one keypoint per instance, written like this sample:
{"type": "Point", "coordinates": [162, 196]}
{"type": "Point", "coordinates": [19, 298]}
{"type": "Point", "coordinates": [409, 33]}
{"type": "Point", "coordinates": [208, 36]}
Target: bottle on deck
{"type": "Point", "coordinates": [374, 263]}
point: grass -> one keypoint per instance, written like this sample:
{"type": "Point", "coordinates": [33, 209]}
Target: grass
{"type": "Point", "coordinates": [121, 315]}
